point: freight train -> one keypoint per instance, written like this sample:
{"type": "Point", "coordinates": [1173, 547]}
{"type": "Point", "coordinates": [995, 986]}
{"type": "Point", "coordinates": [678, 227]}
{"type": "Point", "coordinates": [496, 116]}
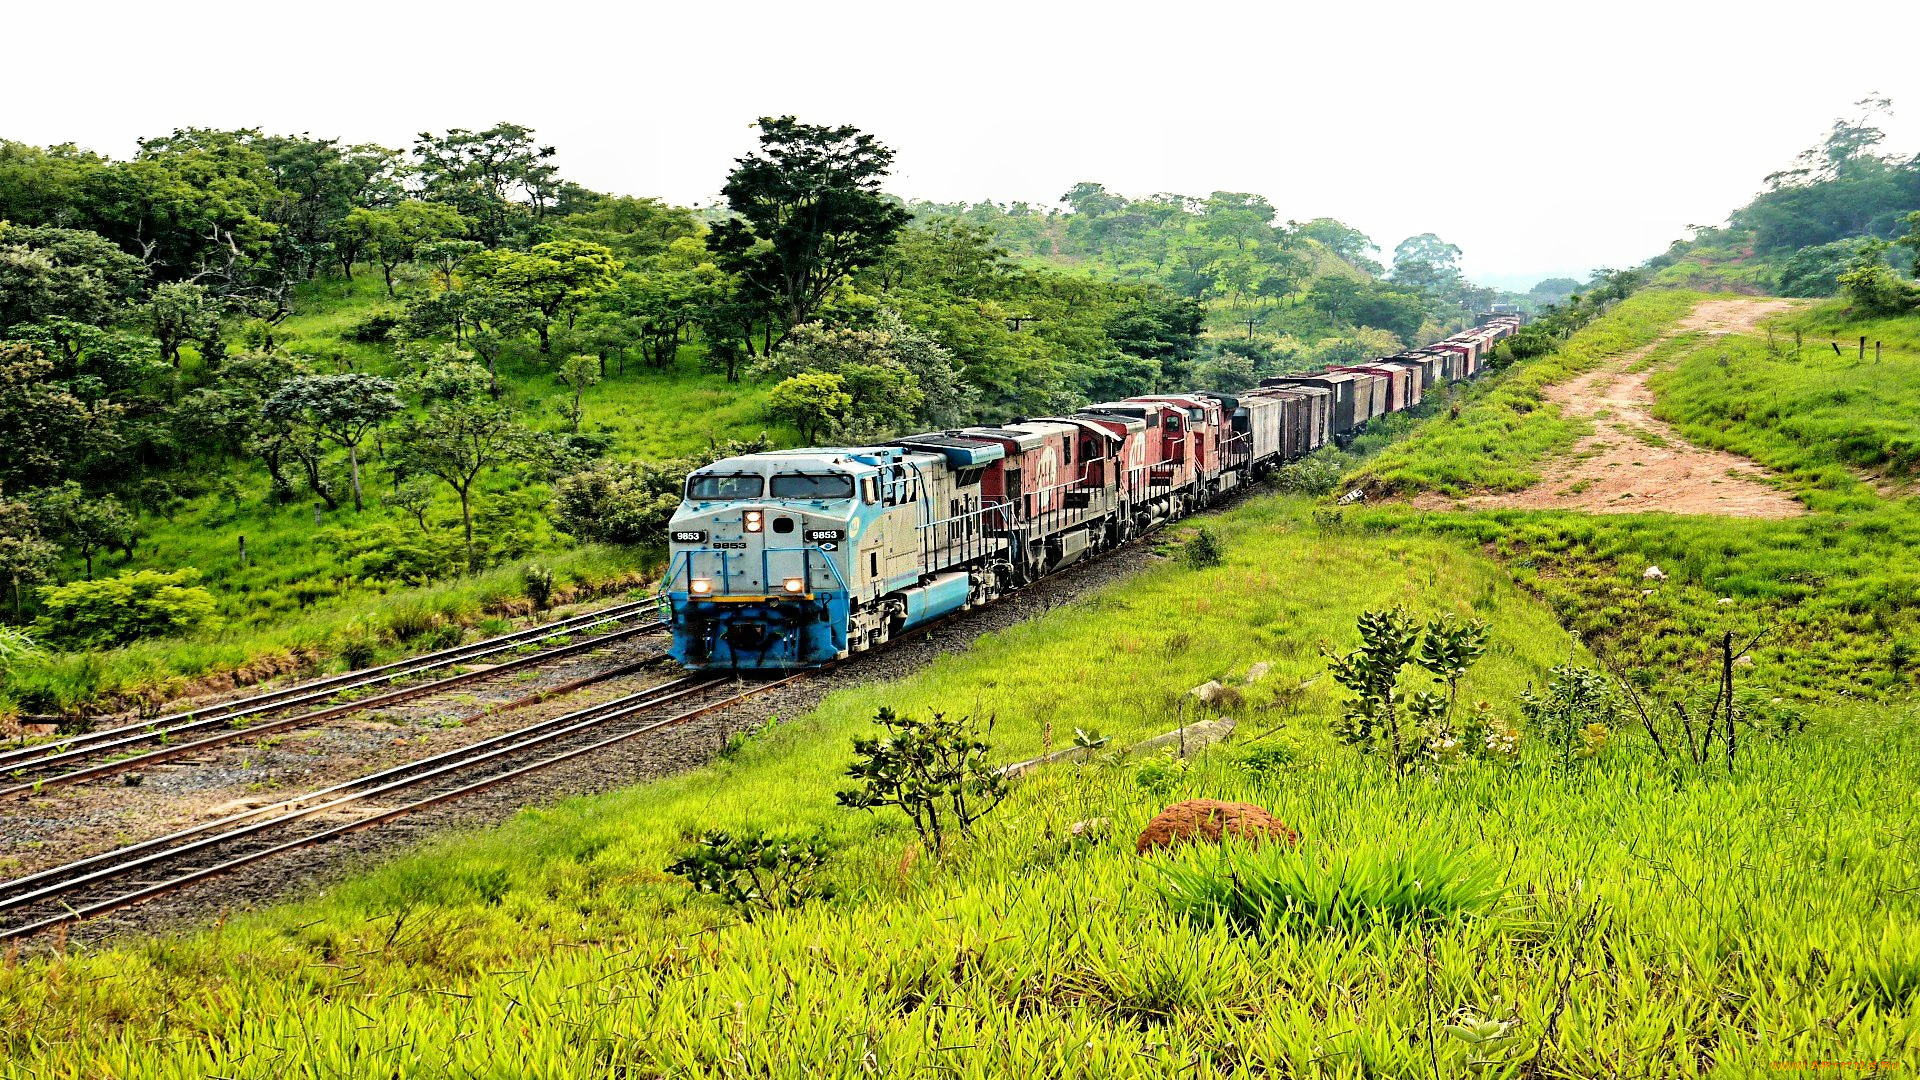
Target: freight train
{"type": "Point", "coordinates": [796, 558]}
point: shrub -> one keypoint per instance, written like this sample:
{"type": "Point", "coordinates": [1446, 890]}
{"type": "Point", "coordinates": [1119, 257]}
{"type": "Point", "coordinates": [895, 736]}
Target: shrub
{"type": "Point", "coordinates": [619, 502]}
{"type": "Point", "coordinates": [935, 770]}
{"type": "Point", "coordinates": [538, 581]}
{"type": "Point", "coordinates": [1315, 475]}
{"type": "Point", "coordinates": [1575, 716]}
{"type": "Point", "coordinates": [1381, 716]}
{"type": "Point", "coordinates": [754, 870]}
{"type": "Point", "coordinates": [1204, 550]}
{"type": "Point", "coordinates": [410, 622]}
{"type": "Point", "coordinates": [376, 328]}
{"type": "Point", "coordinates": [116, 610]}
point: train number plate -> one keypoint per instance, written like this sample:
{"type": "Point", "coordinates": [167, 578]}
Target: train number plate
{"type": "Point", "coordinates": [689, 536]}
{"type": "Point", "coordinates": [826, 534]}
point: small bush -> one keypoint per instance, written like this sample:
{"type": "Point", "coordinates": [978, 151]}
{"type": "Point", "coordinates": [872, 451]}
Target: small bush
{"type": "Point", "coordinates": [1204, 550]}
{"type": "Point", "coordinates": [357, 648]}
{"type": "Point", "coordinates": [538, 581]}
{"type": "Point", "coordinates": [407, 623]}
{"type": "Point", "coordinates": [754, 871]}
{"type": "Point", "coordinates": [1315, 475]}
{"type": "Point", "coordinates": [376, 328]}
{"type": "Point", "coordinates": [116, 610]}
{"type": "Point", "coordinates": [935, 770]}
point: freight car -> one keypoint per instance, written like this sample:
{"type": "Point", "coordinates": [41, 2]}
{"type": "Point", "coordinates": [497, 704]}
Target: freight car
{"type": "Point", "coordinates": [795, 558]}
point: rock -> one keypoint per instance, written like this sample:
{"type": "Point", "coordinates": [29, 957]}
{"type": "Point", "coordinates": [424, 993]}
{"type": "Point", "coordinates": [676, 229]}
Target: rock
{"type": "Point", "coordinates": [1258, 672]}
{"type": "Point", "coordinates": [1189, 739]}
{"type": "Point", "coordinates": [1208, 690]}
{"type": "Point", "coordinates": [1090, 829]}
{"type": "Point", "coordinates": [1725, 600]}
{"type": "Point", "coordinates": [1654, 573]}
{"type": "Point", "coordinates": [1745, 661]}
{"type": "Point", "coordinates": [1209, 820]}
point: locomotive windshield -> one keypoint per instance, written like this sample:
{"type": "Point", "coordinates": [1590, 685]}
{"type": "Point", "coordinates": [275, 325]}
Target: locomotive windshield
{"type": "Point", "coordinates": [726, 486]}
{"type": "Point", "coordinates": [813, 486]}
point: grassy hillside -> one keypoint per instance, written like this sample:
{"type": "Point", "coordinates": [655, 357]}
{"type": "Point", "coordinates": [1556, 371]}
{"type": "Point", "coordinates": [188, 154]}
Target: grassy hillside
{"type": "Point", "coordinates": [1503, 428]}
{"type": "Point", "coordinates": [311, 579]}
{"type": "Point", "coordinates": [1674, 925]}
{"type": "Point", "coordinates": [1827, 418]}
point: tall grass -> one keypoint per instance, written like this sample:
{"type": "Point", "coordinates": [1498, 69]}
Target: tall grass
{"type": "Point", "coordinates": [1505, 428]}
{"type": "Point", "coordinates": [66, 681]}
{"type": "Point", "coordinates": [1707, 925]}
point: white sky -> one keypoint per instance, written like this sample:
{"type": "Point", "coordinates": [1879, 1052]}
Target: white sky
{"type": "Point", "coordinates": [1542, 138]}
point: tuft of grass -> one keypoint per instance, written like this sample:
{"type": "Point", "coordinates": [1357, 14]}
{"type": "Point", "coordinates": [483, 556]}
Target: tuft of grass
{"type": "Point", "coordinates": [1277, 889]}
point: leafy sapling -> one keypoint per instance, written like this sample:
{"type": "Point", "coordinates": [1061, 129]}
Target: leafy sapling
{"type": "Point", "coordinates": [755, 871]}
{"type": "Point", "coordinates": [934, 770]}
{"type": "Point", "coordinates": [1379, 714]}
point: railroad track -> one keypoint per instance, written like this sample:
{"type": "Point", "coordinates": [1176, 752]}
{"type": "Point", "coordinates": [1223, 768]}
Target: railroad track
{"type": "Point", "coordinates": [132, 874]}
{"type": "Point", "coordinates": [96, 754]}
{"type": "Point", "coordinates": [129, 875]}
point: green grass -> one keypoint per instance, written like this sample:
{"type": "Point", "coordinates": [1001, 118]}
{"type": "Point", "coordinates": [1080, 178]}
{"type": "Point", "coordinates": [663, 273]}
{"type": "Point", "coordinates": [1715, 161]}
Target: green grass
{"type": "Point", "coordinates": [1709, 925]}
{"type": "Point", "coordinates": [1835, 320]}
{"type": "Point", "coordinates": [1505, 428]}
{"type": "Point", "coordinates": [305, 641]}
{"type": "Point", "coordinates": [1824, 420]}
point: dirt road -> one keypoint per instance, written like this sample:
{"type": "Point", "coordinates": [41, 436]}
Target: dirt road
{"type": "Point", "coordinates": [1633, 463]}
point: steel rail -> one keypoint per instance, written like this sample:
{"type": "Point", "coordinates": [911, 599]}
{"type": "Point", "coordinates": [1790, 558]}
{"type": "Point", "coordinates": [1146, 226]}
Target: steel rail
{"type": "Point", "coordinates": [349, 784]}
{"type": "Point", "coordinates": [301, 693]}
{"type": "Point", "coordinates": [147, 892]}
{"type": "Point", "coordinates": [152, 757]}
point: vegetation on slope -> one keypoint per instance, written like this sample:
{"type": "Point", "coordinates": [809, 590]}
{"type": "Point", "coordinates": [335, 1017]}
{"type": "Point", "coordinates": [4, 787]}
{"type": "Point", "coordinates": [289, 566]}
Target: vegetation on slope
{"type": "Point", "coordinates": [1664, 923]}
{"type": "Point", "coordinates": [1502, 427]}
{"type": "Point", "coordinates": [201, 348]}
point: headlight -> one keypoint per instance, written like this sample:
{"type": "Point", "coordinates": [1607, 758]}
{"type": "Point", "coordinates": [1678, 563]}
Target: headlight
{"type": "Point", "coordinates": [794, 585]}
{"type": "Point", "coordinates": [701, 586]}
{"type": "Point", "coordinates": [755, 520]}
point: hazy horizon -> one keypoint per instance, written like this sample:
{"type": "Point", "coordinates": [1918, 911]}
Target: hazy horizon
{"type": "Point", "coordinates": [1427, 121]}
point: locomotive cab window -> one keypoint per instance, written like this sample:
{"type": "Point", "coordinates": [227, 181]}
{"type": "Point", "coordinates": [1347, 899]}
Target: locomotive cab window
{"type": "Point", "coordinates": [870, 489]}
{"type": "Point", "coordinates": [783, 525]}
{"type": "Point", "coordinates": [724, 486]}
{"type": "Point", "coordinates": [812, 486]}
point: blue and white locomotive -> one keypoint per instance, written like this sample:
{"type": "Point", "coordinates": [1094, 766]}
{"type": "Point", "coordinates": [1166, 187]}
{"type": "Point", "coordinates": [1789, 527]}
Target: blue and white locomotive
{"type": "Point", "coordinates": [797, 558]}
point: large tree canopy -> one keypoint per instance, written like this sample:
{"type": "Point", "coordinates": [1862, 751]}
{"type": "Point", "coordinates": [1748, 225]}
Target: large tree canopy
{"type": "Point", "coordinates": [810, 213]}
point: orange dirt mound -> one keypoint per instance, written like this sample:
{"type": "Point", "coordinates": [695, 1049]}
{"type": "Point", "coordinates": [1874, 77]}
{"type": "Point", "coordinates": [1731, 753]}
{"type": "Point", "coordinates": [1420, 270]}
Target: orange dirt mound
{"type": "Point", "coordinates": [1209, 820]}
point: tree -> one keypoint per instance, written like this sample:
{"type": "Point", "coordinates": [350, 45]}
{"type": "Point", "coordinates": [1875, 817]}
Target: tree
{"type": "Point", "coordinates": [810, 401]}
{"type": "Point", "coordinates": [579, 373]}
{"type": "Point", "coordinates": [50, 432]}
{"type": "Point", "coordinates": [810, 213]}
{"type": "Point", "coordinates": [895, 374]}
{"type": "Point", "coordinates": [1427, 263]}
{"type": "Point", "coordinates": [620, 502]}
{"type": "Point", "coordinates": [396, 235]}
{"type": "Point", "coordinates": [1343, 240]}
{"type": "Point", "coordinates": [179, 313]}
{"type": "Point", "coordinates": [499, 179]}
{"type": "Point", "coordinates": [63, 273]}
{"type": "Point", "coordinates": [26, 559]}
{"type": "Point", "coordinates": [445, 257]}
{"type": "Point", "coordinates": [88, 524]}
{"type": "Point", "coordinates": [554, 279]}
{"type": "Point", "coordinates": [459, 439]}
{"type": "Point", "coordinates": [344, 409]}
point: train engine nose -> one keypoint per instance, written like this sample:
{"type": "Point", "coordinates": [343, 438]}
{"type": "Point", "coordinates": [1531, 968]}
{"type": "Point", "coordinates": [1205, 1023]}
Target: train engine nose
{"type": "Point", "coordinates": [755, 584]}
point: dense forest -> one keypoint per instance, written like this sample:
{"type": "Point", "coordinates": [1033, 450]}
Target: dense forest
{"type": "Point", "coordinates": [246, 373]}
{"type": "Point", "coordinates": [1842, 218]}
